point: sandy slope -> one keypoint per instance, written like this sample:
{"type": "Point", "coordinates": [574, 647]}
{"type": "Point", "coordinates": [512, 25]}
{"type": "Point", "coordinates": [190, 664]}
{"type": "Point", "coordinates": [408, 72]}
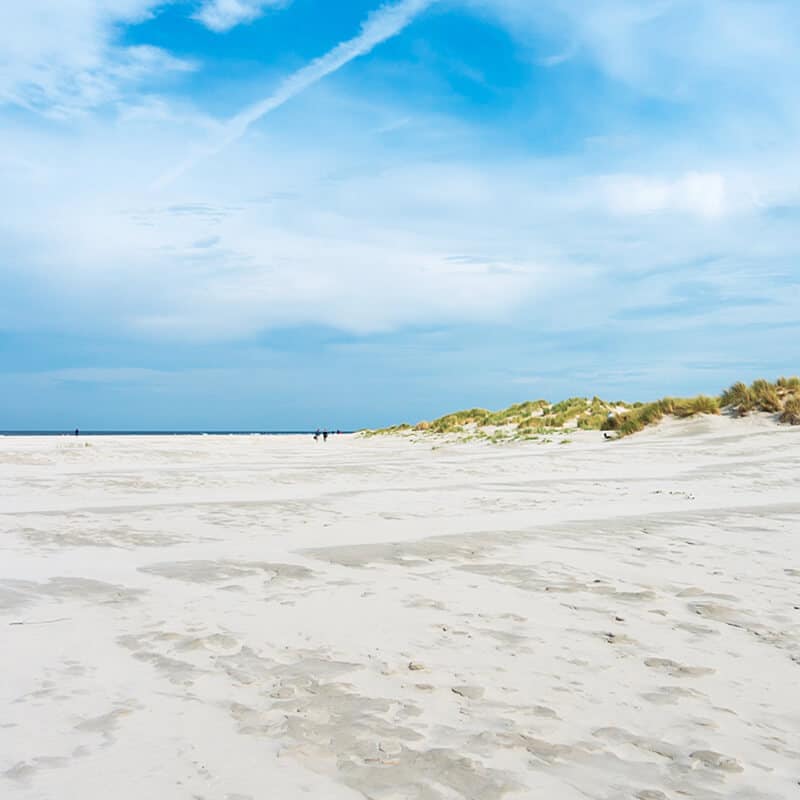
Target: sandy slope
{"type": "Point", "coordinates": [250, 617]}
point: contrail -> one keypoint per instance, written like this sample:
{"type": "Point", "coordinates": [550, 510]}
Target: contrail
{"type": "Point", "coordinates": [382, 24]}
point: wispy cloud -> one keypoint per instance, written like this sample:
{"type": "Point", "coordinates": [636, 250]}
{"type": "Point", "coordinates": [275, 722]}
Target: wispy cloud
{"type": "Point", "coordinates": [222, 15]}
{"type": "Point", "coordinates": [636, 42]}
{"type": "Point", "coordinates": [559, 58]}
{"type": "Point", "coordinates": [61, 57]}
{"type": "Point", "coordinates": [383, 24]}
{"type": "Point", "coordinates": [698, 194]}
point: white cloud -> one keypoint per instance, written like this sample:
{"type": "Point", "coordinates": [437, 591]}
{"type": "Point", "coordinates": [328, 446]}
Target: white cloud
{"type": "Point", "coordinates": [61, 57]}
{"type": "Point", "coordinates": [680, 47]}
{"type": "Point", "coordinates": [719, 50]}
{"type": "Point", "coordinates": [354, 229]}
{"type": "Point", "coordinates": [558, 58]}
{"type": "Point", "coordinates": [262, 236]}
{"type": "Point", "coordinates": [257, 239]}
{"type": "Point", "coordinates": [696, 193]}
{"type": "Point", "coordinates": [222, 15]}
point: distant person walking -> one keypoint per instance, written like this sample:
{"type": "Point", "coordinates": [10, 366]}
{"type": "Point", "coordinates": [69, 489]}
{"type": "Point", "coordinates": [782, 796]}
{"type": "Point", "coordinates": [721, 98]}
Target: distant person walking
{"type": "Point", "coordinates": [77, 432]}
{"type": "Point", "coordinates": [316, 435]}
{"type": "Point", "coordinates": [325, 436]}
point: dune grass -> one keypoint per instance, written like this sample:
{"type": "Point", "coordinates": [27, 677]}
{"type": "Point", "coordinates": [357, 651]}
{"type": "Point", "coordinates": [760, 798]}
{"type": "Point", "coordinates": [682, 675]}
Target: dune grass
{"type": "Point", "coordinates": [791, 411]}
{"type": "Point", "coordinates": [388, 431]}
{"type": "Point", "coordinates": [738, 397]}
{"type": "Point", "coordinates": [517, 413]}
{"type": "Point", "coordinates": [765, 395]}
{"type": "Point", "coordinates": [456, 421]}
{"type": "Point", "coordinates": [534, 418]}
{"type": "Point", "coordinates": [638, 419]}
{"type": "Point", "coordinates": [761, 395]}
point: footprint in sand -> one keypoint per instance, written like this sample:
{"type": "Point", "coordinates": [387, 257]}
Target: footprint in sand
{"type": "Point", "coordinates": [469, 692]}
{"type": "Point", "coordinates": [698, 630]}
{"type": "Point", "coordinates": [222, 644]}
{"type": "Point", "coordinates": [218, 643]}
{"type": "Point", "coordinates": [669, 695]}
{"type": "Point", "coordinates": [712, 760]}
{"type": "Point", "coordinates": [676, 670]}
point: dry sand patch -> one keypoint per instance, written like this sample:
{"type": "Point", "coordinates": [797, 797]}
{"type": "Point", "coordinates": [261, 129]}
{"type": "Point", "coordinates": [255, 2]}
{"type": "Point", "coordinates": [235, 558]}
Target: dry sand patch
{"type": "Point", "coordinates": [240, 618]}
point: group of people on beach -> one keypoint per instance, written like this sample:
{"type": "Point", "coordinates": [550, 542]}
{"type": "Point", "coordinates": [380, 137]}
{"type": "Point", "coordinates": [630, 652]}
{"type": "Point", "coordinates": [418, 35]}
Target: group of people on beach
{"type": "Point", "coordinates": [324, 434]}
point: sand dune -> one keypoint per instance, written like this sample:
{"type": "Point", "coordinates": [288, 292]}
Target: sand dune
{"type": "Point", "coordinates": [234, 618]}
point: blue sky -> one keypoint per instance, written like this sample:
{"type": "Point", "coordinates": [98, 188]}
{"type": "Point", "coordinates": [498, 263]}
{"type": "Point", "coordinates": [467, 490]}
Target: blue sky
{"type": "Point", "coordinates": [291, 213]}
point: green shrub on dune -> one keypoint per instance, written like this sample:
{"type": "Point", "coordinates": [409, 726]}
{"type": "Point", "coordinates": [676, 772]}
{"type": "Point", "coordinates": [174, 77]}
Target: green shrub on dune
{"type": "Point", "coordinates": [637, 419]}
{"type": "Point", "coordinates": [534, 417]}
{"type": "Point", "coordinates": [761, 395]}
{"type": "Point", "coordinates": [402, 428]}
{"type": "Point", "coordinates": [791, 411]}
{"type": "Point", "coordinates": [518, 413]}
{"type": "Point", "coordinates": [593, 421]}
{"type": "Point", "coordinates": [572, 405]}
{"type": "Point", "coordinates": [702, 404]}
{"type": "Point", "coordinates": [765, 396]}
{"type": "Point", "coordinates": [456, 421]}
{"type": "Point", "coordinates": [738, 397]}
{"type": "Point", "coordinates": [596, 415]}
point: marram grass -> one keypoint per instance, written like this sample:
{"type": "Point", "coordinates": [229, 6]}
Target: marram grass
{"type": "Point", "coordinates": [791, 410]}
{"type": "Point", "coordinates": [534, 418]}
{"type": "Point", "coordinates": [637, 419]}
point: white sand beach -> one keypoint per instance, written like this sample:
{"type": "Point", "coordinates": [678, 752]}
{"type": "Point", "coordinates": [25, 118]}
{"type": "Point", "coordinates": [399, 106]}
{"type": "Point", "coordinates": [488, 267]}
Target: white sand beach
{"type": "Point", "coordinates": [269, 618]}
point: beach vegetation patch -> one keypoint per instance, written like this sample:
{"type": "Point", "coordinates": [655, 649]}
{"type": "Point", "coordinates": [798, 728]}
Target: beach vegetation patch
{"type": "Point", "coordinates": [535, 418]}
{"type": "Point", "coordinates": [791, 411]}
{"type": "Point", "coordinates": [761, 395]}
{"type": "Point", "coordinates": [739, 398]}
{"type": "Point", "coordinates": [765, 396]}
{"type": "Point", "coordinates": [638, 418]}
